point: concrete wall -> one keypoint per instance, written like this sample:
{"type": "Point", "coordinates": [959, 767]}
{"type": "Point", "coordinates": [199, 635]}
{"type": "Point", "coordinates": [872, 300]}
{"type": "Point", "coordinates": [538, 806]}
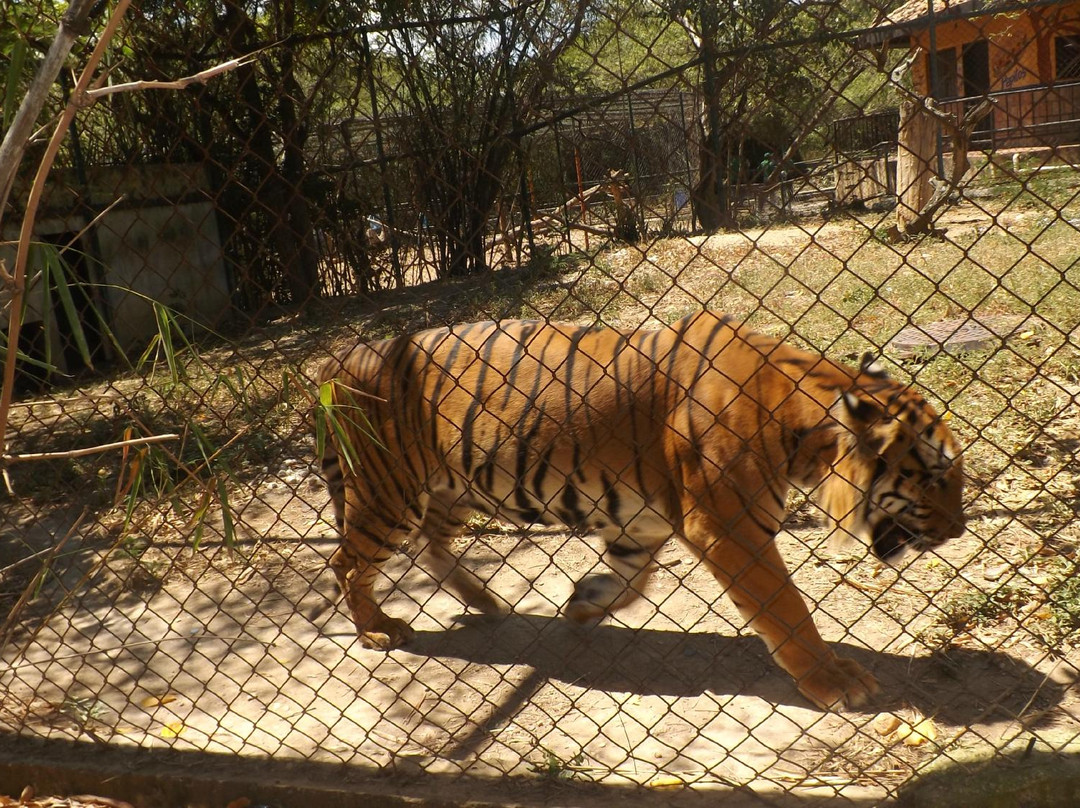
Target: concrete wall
{"type": "Point", "coordinates": [159, 242]}
{"type": "Point", "coordinates": [171, 255]}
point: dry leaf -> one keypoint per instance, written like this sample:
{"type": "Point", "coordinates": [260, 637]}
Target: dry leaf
{"type": "Point", "coordinates": [156, 701]}
{"type": "Point", "coordinates": [663, 781]}
{"type": "Point", "coordinates": [922, 732]}
{"type": "Point", "coordinates": [172, 729]}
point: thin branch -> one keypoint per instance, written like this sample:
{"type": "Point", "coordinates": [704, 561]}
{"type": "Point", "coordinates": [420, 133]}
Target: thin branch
{"type": "Point", "coordinates": [37, 580]}
{"type": "Point", "coordinates": [36, 191]}
{"type": "Point", "coordinates": [90, 96]}
{"type": "Point", "coordinates": [60, 402]}
{"type": "Point", "coordinates": [89, 450]}
{"type": "Point", "coordinates": [25, 559]}
{"type": "Point", "coordinates": [18, 135]}
{"type": "Point", "coordinates": [101, 214]}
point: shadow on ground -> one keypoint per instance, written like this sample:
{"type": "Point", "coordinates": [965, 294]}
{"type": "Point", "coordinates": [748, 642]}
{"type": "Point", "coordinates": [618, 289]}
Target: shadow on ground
{"type": "Point", "coordinates": [961, 687]}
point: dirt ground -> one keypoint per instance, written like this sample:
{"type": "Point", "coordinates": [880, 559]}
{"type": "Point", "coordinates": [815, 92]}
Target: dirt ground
{"type": "Point", "coordinates": [224, 657]}
{"type": "Point", "coordinates": [239, 651]}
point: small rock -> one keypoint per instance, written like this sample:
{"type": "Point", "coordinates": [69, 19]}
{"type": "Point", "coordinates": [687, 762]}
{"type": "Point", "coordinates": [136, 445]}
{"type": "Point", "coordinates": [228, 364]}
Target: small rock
{"type": "Point", "coordinates": [886, 723]}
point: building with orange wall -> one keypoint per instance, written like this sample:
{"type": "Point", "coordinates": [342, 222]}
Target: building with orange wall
{"type": "Point", "coordinates": [1024, 56]}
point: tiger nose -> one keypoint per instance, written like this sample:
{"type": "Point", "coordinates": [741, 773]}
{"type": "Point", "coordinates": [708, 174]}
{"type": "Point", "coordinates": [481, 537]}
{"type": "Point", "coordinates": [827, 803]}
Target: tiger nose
{"type": "Point", "coordinates": [952, 526]}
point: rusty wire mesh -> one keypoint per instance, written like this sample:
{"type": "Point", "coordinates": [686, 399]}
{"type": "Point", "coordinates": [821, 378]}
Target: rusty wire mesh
{"type": "Point", "coordinates": [377, 170]}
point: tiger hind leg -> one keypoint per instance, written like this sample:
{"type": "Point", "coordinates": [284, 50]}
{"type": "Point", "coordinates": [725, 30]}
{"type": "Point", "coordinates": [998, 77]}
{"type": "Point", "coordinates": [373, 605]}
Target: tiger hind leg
{"type": "Point", "coordinates": [443, 522]}
{"type": "Point", "coordinates": [631, 565]}
{"type": "Point", "coordinates": [356, 576]}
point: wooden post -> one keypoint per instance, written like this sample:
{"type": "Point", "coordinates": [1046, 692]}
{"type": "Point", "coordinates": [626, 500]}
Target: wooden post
{"type": "Point", "coordinates": [625, 224]}
{"type": "Point", "coordinates": [581, 191]}
{"type": "Point", "coordinates": [914, 159]}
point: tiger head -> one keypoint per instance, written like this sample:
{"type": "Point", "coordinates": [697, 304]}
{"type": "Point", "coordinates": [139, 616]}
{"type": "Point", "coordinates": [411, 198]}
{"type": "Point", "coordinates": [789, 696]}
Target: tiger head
{"type": "Point", "coordinates": [897, 480]}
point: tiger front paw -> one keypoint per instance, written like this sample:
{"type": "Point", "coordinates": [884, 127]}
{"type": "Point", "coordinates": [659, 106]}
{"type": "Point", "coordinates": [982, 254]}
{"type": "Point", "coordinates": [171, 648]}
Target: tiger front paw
{"type": "Point", "coordinates": [386, 634]}
{"type": "Point", "coordinates": [838, 684]}
{"type": "Point", "coordinates": [594, 597]}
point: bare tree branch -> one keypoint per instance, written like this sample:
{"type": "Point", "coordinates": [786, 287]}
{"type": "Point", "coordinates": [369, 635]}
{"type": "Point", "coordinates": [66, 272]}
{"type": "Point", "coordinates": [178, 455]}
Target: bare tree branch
{"type": "Point", "coordinates": [89, 450]}
{"type": "Point", "coordinates": [960, 135]}
{"type": "Point", "coordinates": [90, 96]}
{"type": "Point", "coordinates": [18, 135]}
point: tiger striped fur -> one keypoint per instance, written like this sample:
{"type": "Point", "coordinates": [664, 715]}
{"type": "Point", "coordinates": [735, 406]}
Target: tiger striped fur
{"type": "Point", "coordinates": [697, 431]}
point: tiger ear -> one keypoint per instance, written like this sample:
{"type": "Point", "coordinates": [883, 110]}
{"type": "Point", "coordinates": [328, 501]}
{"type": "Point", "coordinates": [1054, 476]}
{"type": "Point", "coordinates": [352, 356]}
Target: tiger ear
{"type": "Point", "coordinates": [859, 417]}
{"type": "Point", "coordinates": [853, 411]}
{"type": "Point", "coordinates": [869, 365]}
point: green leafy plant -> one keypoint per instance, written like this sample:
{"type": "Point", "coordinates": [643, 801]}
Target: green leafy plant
{"type": "Point", "coordinates": [1063, 603]}
{"type": "Point", "coordinates": [555, 767]}
{"type": "Point", "coordinates": [979, 608]}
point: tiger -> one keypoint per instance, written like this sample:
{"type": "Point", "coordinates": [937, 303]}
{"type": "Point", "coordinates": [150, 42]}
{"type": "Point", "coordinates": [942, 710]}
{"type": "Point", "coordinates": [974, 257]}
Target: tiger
{"type": "Point", "coordinates": [696, 431]}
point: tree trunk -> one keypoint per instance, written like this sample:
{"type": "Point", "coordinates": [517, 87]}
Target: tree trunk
{"type": "Point", "coordinates": [294, 234]}
{"type": "Point", "coordinates": [914, 157]}
{"type": "Point", "coordinates": [712, 200]}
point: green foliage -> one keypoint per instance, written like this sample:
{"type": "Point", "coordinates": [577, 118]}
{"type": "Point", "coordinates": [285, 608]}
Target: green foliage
{"type": "Point", "coordinates": [555, 767]}
{"type": "Point", "coordinates": [624, 43]}
{"type": "Point", "coordinates": [83, 710]}
{"type": "Point", "coordinates": [333, 417]}
{"type": "Point", "coordinates": [55, 277]}
{"type": "Point", "coordinates": [12, 84]}
{"type": "Point", "coordinates": [22, 25]}
{"type": "Point", "coordinates": [50, 272]}
{"type": "Point", "coordinates": [978, 607]}
{"type": "Point", "coordinates": [1063, 602]}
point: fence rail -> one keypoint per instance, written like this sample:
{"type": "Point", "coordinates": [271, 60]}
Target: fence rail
{"type": "Point", "coordinates": [1044, 116]}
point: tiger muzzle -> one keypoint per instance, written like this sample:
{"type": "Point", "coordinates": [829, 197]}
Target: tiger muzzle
{"type": "Point", "coordinates": [892, 536]}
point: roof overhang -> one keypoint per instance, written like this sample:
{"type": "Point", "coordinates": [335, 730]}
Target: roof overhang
{"type": "Point", "coordinates": [914, 16]}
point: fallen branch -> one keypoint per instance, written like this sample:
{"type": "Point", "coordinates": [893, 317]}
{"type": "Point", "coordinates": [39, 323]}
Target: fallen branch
{"type": "Point", "coordinates": [88, 450]}
{"type": "Point", "coordinates": [35, 581]}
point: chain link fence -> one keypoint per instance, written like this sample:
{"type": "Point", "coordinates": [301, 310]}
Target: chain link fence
{"type": "Point", "coordinates": [900, 179]}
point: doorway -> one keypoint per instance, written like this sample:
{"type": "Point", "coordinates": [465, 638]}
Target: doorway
{"type": "Point", "coordinates": [976, 74]}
